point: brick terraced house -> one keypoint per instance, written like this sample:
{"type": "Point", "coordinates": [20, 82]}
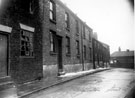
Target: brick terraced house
{"type": "Point", "coordinates": [101, 53]}
{"type": "Point", "coordinates": [20, 40]}
{"type": "Point", "coordinates": [44, 38]}
{"type": "Point", "coordinates": [67, 40]}
{"type": "Point", "coordinates": [123, 59]}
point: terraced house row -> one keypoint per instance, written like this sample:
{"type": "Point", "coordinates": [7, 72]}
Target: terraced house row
{"type": "Point", "coordinates": [44, 38]}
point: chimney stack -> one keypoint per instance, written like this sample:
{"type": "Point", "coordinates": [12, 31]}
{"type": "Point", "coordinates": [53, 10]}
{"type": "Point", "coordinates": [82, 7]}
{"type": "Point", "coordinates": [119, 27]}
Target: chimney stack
{"type": "Point", "coordinates": [119, 49]}
{"type": "Point", "coordinates": [128, 50]}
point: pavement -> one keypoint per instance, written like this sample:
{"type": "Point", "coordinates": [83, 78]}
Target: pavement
{"type": "Point", "coordinates": [21, 91]}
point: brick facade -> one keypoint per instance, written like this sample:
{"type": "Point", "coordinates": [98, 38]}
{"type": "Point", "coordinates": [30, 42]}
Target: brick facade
{"type": "Point", "coordinates": [70, 62]}
{"type": "Point", "coordinates": [55, 48]}
{"type": "Point", "coordinates": [22, 69]}
{"type": "Point", "coordinates": [101, 54]}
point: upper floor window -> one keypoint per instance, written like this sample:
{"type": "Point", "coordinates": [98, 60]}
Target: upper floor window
{"type": "Point", "coordinates": [67, 45]}
{"type": "Point", "coordinates": [84, 35]}
{"type": "Point", "coordinates": [52, 10]}
{"type": "Point", "coordinates": [77, 26]}
{"type": "Point", "coordinates": [67, 21]}
{"type": "Point", "coordinates": [89, 36]}
{"type": "Point", "coordinates": [26, 43]}
{"type": "Point", "coordinates": [32, 6]}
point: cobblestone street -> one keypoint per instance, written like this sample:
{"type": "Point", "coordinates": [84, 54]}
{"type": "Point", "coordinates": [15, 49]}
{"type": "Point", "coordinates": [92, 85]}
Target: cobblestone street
{"type": "Point", "coordinates": [114, 83]}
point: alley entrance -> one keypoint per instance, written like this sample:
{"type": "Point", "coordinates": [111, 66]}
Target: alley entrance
{"type": "Point", "coordinates": [3, 55]}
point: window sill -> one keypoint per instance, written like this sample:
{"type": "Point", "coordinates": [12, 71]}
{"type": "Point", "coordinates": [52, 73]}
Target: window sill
{"type": "Point", "coordinates": [68, 55]}
{"type": "Point", "coordinates": [27, 57]}
{"type": "Point", "coordinates": [53, 53]}
{"type": "Point", "coordinates": [53, 21]}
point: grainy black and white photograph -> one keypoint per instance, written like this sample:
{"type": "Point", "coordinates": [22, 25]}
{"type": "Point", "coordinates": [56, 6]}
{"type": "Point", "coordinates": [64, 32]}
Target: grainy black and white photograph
{"type": "Point", "coordinates": [67, 49]}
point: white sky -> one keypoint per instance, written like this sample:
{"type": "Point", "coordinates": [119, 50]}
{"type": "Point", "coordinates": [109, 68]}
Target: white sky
{"type": "Point", "coordinates": [111, 19]}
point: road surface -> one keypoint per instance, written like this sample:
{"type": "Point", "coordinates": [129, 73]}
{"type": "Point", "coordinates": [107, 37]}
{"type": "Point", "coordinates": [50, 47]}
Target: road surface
{"type": "Point", "coordinates": [114, 83]}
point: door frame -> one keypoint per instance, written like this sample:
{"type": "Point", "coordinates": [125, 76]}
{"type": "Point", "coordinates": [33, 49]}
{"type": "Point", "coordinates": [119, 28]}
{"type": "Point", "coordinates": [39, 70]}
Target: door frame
{"type": "Point", "coordinates": [6, 30]}
{"type": "Point", "coordinates": [59, 54]}
{"type": "Point", "coordinates": [8, 53]}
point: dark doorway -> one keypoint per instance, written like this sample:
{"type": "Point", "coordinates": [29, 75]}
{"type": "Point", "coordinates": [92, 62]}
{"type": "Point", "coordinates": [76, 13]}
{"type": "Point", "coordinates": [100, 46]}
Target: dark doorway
{"type": "Point", "coordinates": [59, 49]}
{"type": "Point", "coordinates": [3, 55]}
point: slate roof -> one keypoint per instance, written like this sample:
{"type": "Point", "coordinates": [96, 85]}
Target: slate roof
{"type": "Point", "coordinates": [122, 53]}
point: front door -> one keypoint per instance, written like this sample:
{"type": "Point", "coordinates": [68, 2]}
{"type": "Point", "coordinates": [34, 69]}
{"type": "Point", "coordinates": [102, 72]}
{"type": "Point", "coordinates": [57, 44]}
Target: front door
{"type": "Point", "coordinates": [59, 43]}
{"type": "Point", "coordinates": [3, 55]}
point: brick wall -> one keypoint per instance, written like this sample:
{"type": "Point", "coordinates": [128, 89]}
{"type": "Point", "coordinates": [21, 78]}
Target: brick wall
{"type": "Point", "coordinates": [22, 69]}
{"type": "Point", "coordinates": [59, 28]}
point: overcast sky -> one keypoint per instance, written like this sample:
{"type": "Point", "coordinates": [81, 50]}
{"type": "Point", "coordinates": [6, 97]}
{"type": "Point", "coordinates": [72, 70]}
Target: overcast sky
{"type": "Point", "coordinates": [111, 19]}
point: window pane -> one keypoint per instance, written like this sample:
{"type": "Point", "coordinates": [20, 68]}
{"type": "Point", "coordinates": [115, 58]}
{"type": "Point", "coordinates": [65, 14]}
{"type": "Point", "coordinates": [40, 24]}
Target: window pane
{"type": "Point", "coordinates": [52, 49]}
{"type": "Point", "coordinates": [67, 45]}
{"type": "Point", "coordinates": [77, 47]}
{"type": "Point", "coordinates": [51, 5]}
{"type": "Point", "coordinates": [66, 25]}
{"type": "Point", "coordinates": [52, 42]}
{"type": "Point", "coordinates": [66, 17]}
{"type": "Point", "coordinates": [26, 43]}
{"type": "Point", "coordinates": [52, 11]}
{"type": "Point", "coordinates": [51, 15]}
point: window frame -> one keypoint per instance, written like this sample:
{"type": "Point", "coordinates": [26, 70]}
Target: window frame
{"type": "Point", "coordinates": [89, 36]}
{"type": "Point", "coordinates": [84, 50]}
{"type": "Point", "coordinates": [84, 32]}
{"type": "Point", "coordinates": [52, 39]}
{"type": "Point", "coordinates": [77, 27]}
{"type": "Point", "coordinates": [67, 21]}
{"type": "Point", "coordinates": [90, 49]}
{"type": "Point", "coordinates": [68, 50]}
{"type": "Point", "coordinates": [52, 11]}
{"type": "Point", "coordinates": [31, 47]}
{"type": "Point", "coordinates": [77, 48]}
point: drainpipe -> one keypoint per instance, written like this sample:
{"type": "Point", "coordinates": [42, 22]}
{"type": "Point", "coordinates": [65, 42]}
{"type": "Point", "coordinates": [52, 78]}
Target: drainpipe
{"type": "Point", "coordinates": [82, 49]}
{"type": "Point", "coordinates": [94, 66]}
{"type": "Point", "coordinates": [94, 54]}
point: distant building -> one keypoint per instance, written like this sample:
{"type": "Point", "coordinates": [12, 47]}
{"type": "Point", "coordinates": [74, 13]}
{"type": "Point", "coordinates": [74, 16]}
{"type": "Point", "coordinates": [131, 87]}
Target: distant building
{"type": "Point", "coordinates": [95, 35]}
{"type": "Point", "coordinates": [123, 59]}
{"type": "Point", "coordinates": [101, 54]}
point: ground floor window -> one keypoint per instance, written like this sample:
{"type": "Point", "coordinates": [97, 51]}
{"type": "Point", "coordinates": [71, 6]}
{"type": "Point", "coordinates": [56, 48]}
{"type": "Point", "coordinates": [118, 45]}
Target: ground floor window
{"type": "Point", "coordinates": [90, 53]}
{"type": "Point", "coordinates": [52, 42]}
{"type": "Point", "coordinates": [26, 43]}
{"type": "Point", "coordinates": [84, 50]}
{"type": "Point", "coordinates": [67, 45]}
{"type": "Point", "coordinates": [77, 48]}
